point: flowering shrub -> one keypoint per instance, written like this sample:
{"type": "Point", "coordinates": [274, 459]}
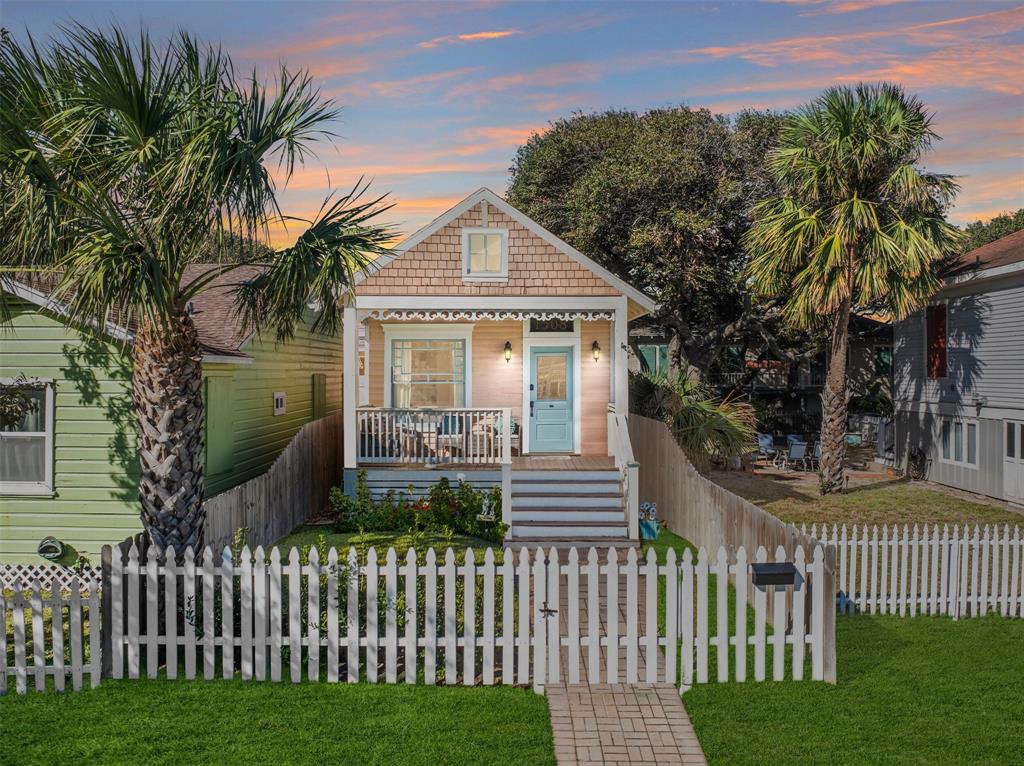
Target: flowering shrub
{"type": "Point", "coordinates": [464, 510]}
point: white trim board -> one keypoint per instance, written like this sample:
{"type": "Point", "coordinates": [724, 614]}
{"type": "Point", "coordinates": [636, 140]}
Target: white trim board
{"type": "Point", "coordinates": [486, 195]}
{"type": "Point", "coordinates": [447, 331]}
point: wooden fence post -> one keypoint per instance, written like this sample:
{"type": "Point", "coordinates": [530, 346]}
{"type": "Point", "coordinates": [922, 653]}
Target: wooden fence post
{"type": "Point", "coordinates": [106, 648]}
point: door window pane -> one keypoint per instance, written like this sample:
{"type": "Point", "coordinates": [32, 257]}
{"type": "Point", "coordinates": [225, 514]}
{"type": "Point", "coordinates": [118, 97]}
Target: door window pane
{"type": "Point", "coordinates": [946, 427]}
{"type": "Point", "coordinates": [428, 373]}
{"type": "Point", "coordinates": [958, 442]}
{"type": "Point", "coordinates": [972, 443]}
{"type": "Point", "coordinates": [551, 377]}
{"type": "Point", "coordinates": [1011, 440]}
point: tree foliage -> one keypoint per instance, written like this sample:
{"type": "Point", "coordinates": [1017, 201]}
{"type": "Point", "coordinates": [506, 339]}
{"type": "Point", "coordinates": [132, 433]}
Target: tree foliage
{"type": "Point", "coordinates": [703, 425]}
{"type": "Point", "coordinates": [662, 199]}
{"type": "Point", "coordinates": [981, 233]}
{"type": "Point", "coordinates": [857, 223]}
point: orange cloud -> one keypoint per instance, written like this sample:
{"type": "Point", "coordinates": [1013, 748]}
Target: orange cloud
{"type": "Point", "coordinates": [552, 76]}
{"type": "Point", "coordinates": [402, 88]}
{"type": "Point", "coordinates": [469, 37]}
{"type": "Point", "coordinates": [316, 44]}
{"type": "Point", "coordinates": [857, 47]}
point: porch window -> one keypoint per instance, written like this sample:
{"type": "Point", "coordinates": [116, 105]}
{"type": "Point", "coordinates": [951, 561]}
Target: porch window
{"type": "Point", "coordinates": [959, 442]}
{"type": "Point", "coordinates": [26, 446]}
{"type": "Point", "coordinates": [428, 372]}
{"type": "Point", "coordinates": [484, 254]}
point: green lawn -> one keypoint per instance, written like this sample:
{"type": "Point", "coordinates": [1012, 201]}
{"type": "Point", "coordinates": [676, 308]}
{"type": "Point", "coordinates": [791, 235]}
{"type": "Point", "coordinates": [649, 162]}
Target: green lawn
{"type": "Point", "coordinates": [796, 500]}
{"type": "Point", "coordinates": [232, 722]}
{"type": "Point", "coordinates": [922, 690]}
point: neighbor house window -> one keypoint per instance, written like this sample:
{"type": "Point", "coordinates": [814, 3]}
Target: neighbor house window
{"type": "Point", "coordinates": [959, 442]}
{"type": "Point", "coordinates": [484, 254]}
{"type": "Point", "coordinates": [654, 357]}
{"type": "Point", "coordinates": [935, 321]}
{"type": "Point", "coordinates": [883, 361]}
{"type": "Point", "coordinates": [428, 372]}
{"type": "Point", "coordinates": [26, 438]}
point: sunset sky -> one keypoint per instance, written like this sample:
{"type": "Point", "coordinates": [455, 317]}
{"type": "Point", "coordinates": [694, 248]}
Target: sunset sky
{"type": "Point", "coordinates": [436, 97]}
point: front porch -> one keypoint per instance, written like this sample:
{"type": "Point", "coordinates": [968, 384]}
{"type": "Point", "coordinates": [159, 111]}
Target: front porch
{"type": "Point", "coordinates": [521, 396]}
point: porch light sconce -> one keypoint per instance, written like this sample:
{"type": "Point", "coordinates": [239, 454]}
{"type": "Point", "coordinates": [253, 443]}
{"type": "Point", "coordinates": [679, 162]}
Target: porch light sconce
{"type": "Point", "coordinates": [596, 350]}
{"type": "Point", "coordinates": [508, 351]}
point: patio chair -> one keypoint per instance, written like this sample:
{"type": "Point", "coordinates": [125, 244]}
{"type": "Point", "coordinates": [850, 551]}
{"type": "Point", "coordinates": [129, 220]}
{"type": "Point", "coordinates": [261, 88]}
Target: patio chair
{"type": "Point", "coordinates": [795, 455]}
{"type": "Point", "coordinates": [450, 435]}
{"type": "Point", "coordinates": [812, 460]}
{"type": "Point", "coordinates": [766, 448]}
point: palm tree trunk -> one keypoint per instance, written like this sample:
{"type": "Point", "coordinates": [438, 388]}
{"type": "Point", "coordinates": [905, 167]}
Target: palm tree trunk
{"type": "Point", "coordinates": [833, 406]}
{"type": "Point", "coordinates": [167, 390]}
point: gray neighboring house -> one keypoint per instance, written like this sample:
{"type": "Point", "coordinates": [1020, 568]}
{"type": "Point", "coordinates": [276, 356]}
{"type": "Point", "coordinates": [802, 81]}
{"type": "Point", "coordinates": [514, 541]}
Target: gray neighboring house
{"type": "Point", "coordinates": [959, 375]}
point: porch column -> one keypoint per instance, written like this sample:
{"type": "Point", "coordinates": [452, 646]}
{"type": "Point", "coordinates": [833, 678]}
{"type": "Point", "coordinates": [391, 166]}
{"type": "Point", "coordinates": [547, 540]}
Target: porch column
{"type": "Point", "coordinates": [350, 384]}
{"type": "Point", "coordinates": [620, 356]}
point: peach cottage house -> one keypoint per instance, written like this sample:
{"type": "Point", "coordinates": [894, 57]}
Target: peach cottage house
{"type": "Point", "coordinates": [484, 346]}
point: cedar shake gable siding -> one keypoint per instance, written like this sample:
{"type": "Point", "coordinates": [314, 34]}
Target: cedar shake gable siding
{"type": "Point", "coordinates": [434, 266]}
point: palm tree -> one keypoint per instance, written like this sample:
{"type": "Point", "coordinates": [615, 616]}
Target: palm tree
{"type": "Point", "coordinates": [856, 223]}
{"type": "Point", "coordinates": [120, 163]}
{"type": "Point", "coordinates": [702, 425]}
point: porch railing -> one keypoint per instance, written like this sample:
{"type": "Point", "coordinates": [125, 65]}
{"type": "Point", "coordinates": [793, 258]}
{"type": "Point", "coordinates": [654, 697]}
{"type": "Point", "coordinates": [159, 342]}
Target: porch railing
{"type": "Point", "coordinates": [620, 448]}
{"type": "Point", "coordinates": [438, 437]}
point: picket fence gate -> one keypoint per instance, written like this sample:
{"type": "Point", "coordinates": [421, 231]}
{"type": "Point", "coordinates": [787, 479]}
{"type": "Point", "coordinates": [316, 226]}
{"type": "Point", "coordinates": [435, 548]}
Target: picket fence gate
{"type": "Point", "coordinates": [530, 619]}
{"type": "Point", "coordinates": [74, 628]}
{"type": "Point", "coordinates": [910, 571]}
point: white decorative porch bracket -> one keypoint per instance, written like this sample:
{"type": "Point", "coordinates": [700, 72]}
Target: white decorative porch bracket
{"type": "Point", "coordinates": [506, 469]}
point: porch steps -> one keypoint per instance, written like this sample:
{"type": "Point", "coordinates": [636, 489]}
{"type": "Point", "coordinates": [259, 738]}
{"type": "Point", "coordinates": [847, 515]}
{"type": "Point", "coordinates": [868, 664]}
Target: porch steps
{"type": "Point", "coordinates": [568, 508]}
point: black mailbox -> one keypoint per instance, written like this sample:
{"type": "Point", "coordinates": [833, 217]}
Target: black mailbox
{"type": "Point", "coordinates": [780, 573]}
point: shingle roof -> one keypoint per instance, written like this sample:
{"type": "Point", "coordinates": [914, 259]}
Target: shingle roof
{"type": "Point", "coordinates": [220, 331]}
{"type": "Point", "coordinates": [1002, 252]}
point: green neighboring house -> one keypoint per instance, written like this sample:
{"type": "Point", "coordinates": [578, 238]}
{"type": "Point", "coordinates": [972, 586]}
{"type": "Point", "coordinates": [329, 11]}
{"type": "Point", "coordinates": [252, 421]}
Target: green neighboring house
{"type": "Point", "coordinates": [70, 470]}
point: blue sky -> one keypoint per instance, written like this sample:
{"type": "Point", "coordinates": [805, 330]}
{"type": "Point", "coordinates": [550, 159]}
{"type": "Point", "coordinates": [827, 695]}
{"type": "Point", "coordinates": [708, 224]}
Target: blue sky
{"type": "Point", "coordinates": [437, 96]}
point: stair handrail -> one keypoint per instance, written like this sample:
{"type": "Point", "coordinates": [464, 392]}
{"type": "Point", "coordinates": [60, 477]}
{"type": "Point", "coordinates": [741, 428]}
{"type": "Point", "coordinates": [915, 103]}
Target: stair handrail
{"type": "Point", "coordinates": [621, 449]}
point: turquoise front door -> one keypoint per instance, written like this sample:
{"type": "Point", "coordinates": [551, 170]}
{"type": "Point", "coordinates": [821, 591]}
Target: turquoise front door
{"type": "Point", "coordinates": [551, 416]}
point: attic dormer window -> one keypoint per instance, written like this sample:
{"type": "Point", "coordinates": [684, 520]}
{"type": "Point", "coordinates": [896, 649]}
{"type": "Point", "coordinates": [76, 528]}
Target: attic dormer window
{"type": "Point", "coordinates": [484, 254]}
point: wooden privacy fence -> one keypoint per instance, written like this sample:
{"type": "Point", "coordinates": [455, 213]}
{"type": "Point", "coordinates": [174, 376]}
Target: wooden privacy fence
{"type": "Point", "coordinates": [297, 485]}
{"type": "Point", "coordinates": [49, 636]}
{"type": "Point", "coordinates": [966, 573]}
{"type": "Point", "coordinates": [527, 618]}
{"type": "Point", "coordinates": [696, 508]}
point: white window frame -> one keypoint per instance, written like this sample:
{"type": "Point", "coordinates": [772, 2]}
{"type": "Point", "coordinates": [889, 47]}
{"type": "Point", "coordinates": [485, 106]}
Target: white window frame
{"type": "Point", "coordinates": [439, 331]}
{"type": "Point", "coordinates": [489, 276]}
{"type": "Point", "coordinates": [965, 424]}
{"type": "Point", "coordinates": [44, 487]}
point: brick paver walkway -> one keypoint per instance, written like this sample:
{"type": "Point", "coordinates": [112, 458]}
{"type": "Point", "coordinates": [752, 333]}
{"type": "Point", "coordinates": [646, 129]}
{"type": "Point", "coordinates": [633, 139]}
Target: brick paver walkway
{"type": "Point", "coordinates": [621, 724]}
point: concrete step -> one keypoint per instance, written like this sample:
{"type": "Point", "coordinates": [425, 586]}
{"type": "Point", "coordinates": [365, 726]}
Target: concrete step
{"type": "Point", "coordinates": [568, 502]}
{"type": "Point", "coordinates": [565, 476]}
{"type": "Point", "coordinates": [565, 487]}
{"type": "Point", "coordinates": [568, 529]}
{"type": "Point", "coordinates": [613, 516]}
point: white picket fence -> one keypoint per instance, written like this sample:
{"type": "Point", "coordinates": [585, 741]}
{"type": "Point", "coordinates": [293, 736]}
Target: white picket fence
{"type": "Point", "coordinates": [26, 649]}
{"type": "Point", "coordinates": [962, 572]}
{"type": "Point", "coordinates": [528, 619]}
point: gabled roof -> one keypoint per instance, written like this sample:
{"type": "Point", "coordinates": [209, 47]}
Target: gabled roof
{"type": "Point", "coordinates": [1002, 252]}
{"type": "Point", "coordinates": [221, 334]}
{"type": "Point", "coordinates": [486, 195]}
